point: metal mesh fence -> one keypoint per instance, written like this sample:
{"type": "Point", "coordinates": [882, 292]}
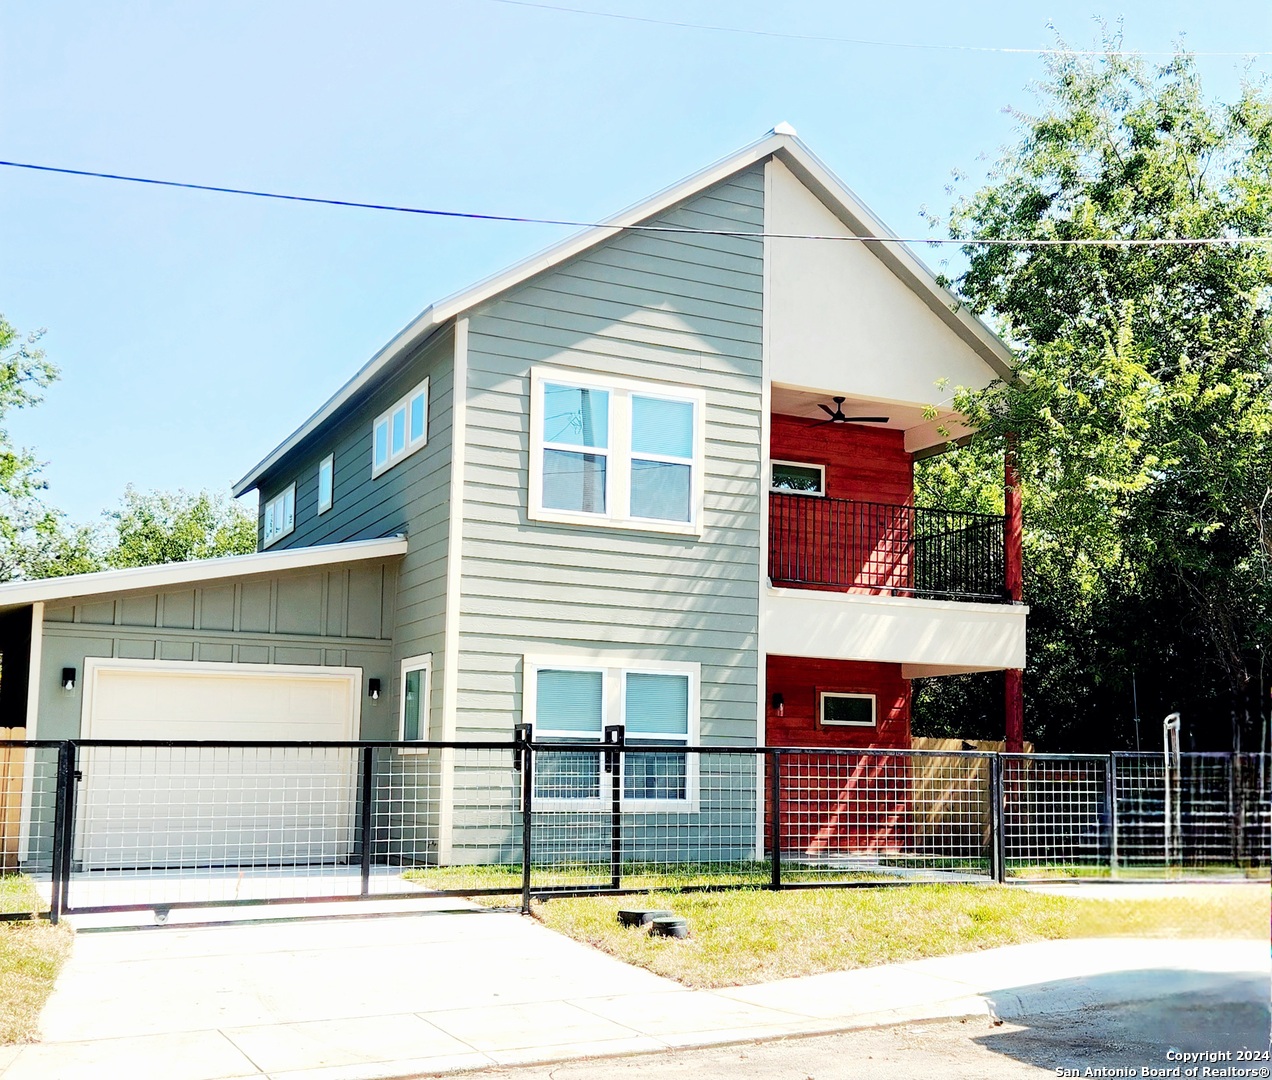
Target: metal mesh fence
{"type": "Point", "coordinates": [156, 825]}
{"type": "Point", "coordinates": [1056, 814]}
{"type": "Point", "coordinates": [28, 794]}
{"type": "Point", "coordinates": [891, 814]}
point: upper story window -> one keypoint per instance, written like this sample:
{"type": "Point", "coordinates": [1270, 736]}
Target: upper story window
{"type": "Point", "coordinates": [400, 430]}
{"type": "Point", "coordinates": [616, 452]}
{"type": "Point", "coordinates": [279, 515]}
{"type": "Point", "coordinates": [799, 478]}
{"type": "Point", "coordinates": [326, 483]}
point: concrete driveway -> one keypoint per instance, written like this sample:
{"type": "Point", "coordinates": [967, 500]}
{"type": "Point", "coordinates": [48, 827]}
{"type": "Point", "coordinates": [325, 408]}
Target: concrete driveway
{"type": "Point", "coordinates": [434, 990]}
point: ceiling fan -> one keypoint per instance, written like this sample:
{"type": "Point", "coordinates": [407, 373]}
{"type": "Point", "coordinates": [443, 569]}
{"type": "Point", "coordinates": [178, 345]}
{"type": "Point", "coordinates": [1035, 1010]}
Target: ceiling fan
{"type": "Point", "coordinates": [837, 415]}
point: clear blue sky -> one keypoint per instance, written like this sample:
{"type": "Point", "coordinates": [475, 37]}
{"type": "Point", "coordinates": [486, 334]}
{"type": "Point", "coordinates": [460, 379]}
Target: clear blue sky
{"type": "Point", "coordinates": [195, 331]}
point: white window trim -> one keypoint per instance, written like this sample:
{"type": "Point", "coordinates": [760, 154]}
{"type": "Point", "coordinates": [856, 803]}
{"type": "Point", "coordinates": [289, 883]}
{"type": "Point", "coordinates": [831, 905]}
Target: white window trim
{"type": "Point", "coordinates": [329, 462]}
{"type": "Point", "coordinates": [409, 446]}
{"type": "Point", "coordinates": [822, 695]}
{"type": "Point", "coordinates": [614, 671]}
{"type": "Point", "coordinates": [821, 469]}
{"type": "Point", "coordinates": [619, 454]}
{"type": "Point", "coordinates": [268, 539]}
{"type": "Point", "coordinates": [424, 663]}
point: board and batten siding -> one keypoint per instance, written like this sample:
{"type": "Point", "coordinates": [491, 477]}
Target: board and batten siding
{"type": "Point", "coordinates": [411, 498]}
{"type": "Point", "coordinates": [335, 617]}
{"type": "Point", "coordinates": [650, 306]}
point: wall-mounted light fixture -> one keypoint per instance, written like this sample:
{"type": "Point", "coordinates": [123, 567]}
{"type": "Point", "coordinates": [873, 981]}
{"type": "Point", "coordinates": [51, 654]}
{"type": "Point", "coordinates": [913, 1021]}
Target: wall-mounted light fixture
{"type": "Point", "coordinates": [779, 704]}
{"type": "Point", "coordinates": [68, 678]}
{"type": "Point", "coordinates": [373, 689]}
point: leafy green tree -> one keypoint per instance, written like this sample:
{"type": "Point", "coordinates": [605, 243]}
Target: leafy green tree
{"type": "Point", "coordinates": [1142, 406]}
{"type": "Point", "coordinates": [32, 539]}
{"type": "Point", "coordinates": [162, 527]}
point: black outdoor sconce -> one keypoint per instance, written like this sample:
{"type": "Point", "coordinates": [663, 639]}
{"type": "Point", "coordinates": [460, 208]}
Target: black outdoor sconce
{"type": "Point", "coordinates": [779, 704]}
{"type": "Point", "coordinates": [68, 678]}
{"type": "Point", "coordinates": [373, 689]}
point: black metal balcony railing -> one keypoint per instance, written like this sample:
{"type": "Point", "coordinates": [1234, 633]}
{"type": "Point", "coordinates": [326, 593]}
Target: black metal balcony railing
{"type": "Point", "coordinates": [875, 547]}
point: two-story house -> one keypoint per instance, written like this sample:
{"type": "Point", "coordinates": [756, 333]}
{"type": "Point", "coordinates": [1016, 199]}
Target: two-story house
{"type": "Point", "coordinates": [660, 474]}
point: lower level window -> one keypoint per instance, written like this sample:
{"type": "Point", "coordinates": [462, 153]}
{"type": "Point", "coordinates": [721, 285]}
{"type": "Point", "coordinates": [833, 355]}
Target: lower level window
{"type": "Point", "coordinates": [843, 709]}
{"type": "Point", "coordinates": [416, 686]}
{"type": "Point", "coordinates": [657, 706]}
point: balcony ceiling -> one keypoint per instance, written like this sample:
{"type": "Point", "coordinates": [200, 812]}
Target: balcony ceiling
{"type": "Point", "coordinates": [921, 433]}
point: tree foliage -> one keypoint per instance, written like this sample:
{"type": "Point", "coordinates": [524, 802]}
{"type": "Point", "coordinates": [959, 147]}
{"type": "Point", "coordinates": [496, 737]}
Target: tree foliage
{"type": "Point", "coordinates": [1142, 404]}
{"type": "Point", "coordinates": [162, 527]}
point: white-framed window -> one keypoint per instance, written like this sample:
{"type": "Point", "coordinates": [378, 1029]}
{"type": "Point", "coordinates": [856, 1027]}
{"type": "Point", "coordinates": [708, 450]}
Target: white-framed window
{"type": "Point", "coordinates": [279, 515]}
{"type": "Point", "coordinates": [619, 452]}
{"type": "Point", "coordinates": [400, 430]}
{"type": "Point", "coordinates": [413, 704]}
{"type": "Point", "coordinates": [844, 709]}
{"type": "Point", "coordinates": [326, 483]}
{"type": "Point", "coordinates": [798, 477]}
{"type": "Point", "coordinates": [571, 700]}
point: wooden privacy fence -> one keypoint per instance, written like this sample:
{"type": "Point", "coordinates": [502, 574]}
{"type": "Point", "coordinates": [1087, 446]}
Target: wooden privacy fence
{"type": "Point", "coordinates": [12, 772]}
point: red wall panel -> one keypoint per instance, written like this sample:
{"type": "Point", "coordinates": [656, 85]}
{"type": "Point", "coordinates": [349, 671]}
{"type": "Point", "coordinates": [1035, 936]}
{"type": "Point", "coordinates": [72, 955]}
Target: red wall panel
{"type": "Point", "coordinates": [862, 462]}
{"type": "Point", "coordinates": [839, 804]}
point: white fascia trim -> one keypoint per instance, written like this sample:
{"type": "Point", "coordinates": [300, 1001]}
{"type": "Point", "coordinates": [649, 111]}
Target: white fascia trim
{"type": "Point", "coordinates": [875, 599]}
{"type": "Point", "coordinates": [447, 308]}
{"type": "Point", "coordinates": [794, 154]}
{"type": "Point", "coordinates": [230, 566]}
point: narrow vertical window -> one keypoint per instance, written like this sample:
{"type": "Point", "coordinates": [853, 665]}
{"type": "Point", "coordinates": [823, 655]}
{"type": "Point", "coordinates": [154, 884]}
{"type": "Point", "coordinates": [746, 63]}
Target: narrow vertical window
{"type": "Point", "coordinates": [326, 483]}
{"type": "Point", "coordinates": [416, 687]}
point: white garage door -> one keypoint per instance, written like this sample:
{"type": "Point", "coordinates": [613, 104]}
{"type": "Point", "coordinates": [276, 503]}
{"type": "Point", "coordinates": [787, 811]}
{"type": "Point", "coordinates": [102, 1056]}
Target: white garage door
{"type": "Point", "coordinates": [158, 807]}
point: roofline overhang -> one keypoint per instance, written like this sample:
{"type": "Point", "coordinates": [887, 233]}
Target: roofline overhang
{"type": "Point", "coordinates": [797, 157]}
{"type": "Point", "coordinates": [134, 579]}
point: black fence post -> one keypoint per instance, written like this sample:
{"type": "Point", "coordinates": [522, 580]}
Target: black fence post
{"type": "Point", "coordinates": [61, 785]}
{"type": "Point", "coordinates": [365, 817]}
{"type": "Point", "coordinates": [1110, 810]}
{"type": "Point", "coordinates": [997, 849]}
{"type": "Point", "coordinates": [73, 776]}
{"type": "Point", "coordinates": [614, 737]}
{"type": "Point", "coordinates": [775, 818]}
{"type": "Point", "coordinates": [523, 760]}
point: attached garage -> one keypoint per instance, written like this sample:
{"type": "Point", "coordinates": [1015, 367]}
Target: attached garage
{"type": "Point", "coordinates": [288, 647]}
{"type": "Point", "coordinates": [162, 807]}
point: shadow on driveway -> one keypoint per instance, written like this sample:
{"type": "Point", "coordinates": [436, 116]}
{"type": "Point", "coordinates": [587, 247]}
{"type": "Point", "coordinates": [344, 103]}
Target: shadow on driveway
{"type": "Point", "coordinates": [1129, 1020]}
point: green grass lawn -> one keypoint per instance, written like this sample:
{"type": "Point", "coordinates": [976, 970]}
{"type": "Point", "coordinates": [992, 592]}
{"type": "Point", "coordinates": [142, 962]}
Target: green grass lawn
{"type": "Point", "coordinates": [752, 935]}
{"type": "Point", "coordinates": [31, 954]}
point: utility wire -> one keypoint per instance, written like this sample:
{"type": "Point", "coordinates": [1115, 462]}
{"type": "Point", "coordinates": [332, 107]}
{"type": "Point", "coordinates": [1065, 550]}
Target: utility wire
{"type": "Point", "coordinates": [1167, 241]}
{"type": "Point", "coordinates": [872, 42]}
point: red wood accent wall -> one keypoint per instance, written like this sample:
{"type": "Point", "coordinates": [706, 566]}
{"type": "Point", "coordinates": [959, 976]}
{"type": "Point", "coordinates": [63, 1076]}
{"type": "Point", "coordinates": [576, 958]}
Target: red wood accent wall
{"type": "Point", "coordinates": [819, 543]}
{"type": "Point", "coordinates": [862, 462]}
{"type": "Point", "coordinates": [834, 804]}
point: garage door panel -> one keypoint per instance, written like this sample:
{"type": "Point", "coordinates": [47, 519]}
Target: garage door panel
{"type": "Point", "coordinates": [212, 806]}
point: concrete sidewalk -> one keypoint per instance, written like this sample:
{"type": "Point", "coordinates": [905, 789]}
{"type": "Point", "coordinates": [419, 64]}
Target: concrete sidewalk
{"type": "Point", "coordinates": [437, 991]}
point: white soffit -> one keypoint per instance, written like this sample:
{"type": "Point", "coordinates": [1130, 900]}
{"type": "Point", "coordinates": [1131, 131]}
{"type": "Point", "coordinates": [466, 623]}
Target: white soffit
{"type": "Point", "coordinates": [18, 593]}
{"type": "Point", "coordinates": [781, 143]}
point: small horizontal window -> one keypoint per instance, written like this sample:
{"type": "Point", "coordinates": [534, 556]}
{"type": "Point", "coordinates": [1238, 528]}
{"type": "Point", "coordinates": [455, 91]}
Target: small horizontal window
{"type": "Point", "coordinates": [847, 710]}
{"type": "Point", "coordinates": [279, 515]}
{"type": "Point", "coordinates": [400, 430]}
{"type": "Point", "coordinates": [793, 476]}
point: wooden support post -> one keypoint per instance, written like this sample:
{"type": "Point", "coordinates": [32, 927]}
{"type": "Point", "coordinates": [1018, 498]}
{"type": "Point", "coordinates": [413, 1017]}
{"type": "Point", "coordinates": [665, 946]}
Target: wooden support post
{"type": "Point", "coordinates": [1014, 735]}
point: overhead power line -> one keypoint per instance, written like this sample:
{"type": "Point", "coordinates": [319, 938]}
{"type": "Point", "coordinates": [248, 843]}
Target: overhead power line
{"type": "Point", "coordinates": [1169, 241]}
{"type": "Point", "coordinates": [871, 42]}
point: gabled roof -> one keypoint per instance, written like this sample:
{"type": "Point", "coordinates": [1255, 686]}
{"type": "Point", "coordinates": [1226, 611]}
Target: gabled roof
{"type": "Point", "coordinates": [165, 575]}
{"type": "Point", "coordinates": [781, 143]}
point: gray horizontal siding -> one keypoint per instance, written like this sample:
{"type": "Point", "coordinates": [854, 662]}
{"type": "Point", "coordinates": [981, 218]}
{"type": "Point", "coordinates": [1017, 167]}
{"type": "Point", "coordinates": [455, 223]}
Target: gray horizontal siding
{"type": "Point", "coordinates": [411, 498]}
{"type": "Point", "coordinates": [661, 308]}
